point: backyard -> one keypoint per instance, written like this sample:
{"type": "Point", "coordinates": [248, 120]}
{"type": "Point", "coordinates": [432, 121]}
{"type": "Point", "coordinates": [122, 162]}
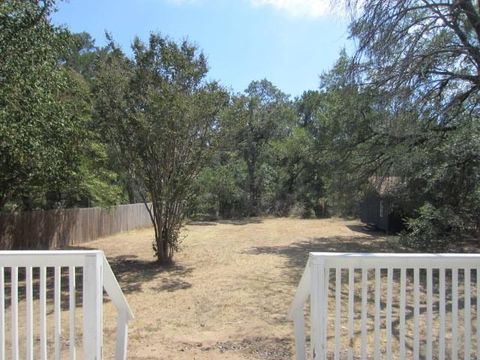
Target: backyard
{"type": "Point", "coordinates": [370, 116]}
{"type": "Point", "coordinates": [228, 294]}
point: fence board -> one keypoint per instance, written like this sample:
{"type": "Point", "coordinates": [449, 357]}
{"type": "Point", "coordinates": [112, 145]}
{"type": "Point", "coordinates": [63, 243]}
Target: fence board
{"type": "Point", "coordinates": [58, 228]}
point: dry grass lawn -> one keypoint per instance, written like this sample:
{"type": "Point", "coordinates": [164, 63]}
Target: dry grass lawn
{"type": "Point", "coordinates": [228, 294]}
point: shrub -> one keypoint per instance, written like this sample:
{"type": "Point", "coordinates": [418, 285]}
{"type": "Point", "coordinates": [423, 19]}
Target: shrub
{"type": "Point", "coordinates": [433, 229]}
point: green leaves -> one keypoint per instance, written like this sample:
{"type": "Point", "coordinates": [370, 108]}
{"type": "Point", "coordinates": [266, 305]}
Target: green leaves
{"type": "Point", "coordinates": [418, 63]}
{"type": "Point", "coordinates": [160, 116]}
{"type": "Point", "coordinates": [46, 132]}
{"type": "Point", "coordinates": [37, 132]}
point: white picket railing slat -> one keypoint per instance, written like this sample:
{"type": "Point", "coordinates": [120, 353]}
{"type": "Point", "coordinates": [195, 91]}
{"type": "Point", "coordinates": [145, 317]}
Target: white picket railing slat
{"type": "Point", "coordinates": [363, 320]}
{"type": "Point", "coordinates": [29, 311]}
{"type": "Point", "coordinates": [389, 312]}
{"type": "Point", "coordinates": [376, 342]}
{"type": "Point", "coordinates": [72, 308]}
{"type": "Point", "coordinates": [351, 288]}
{"type": "Point", "coordinates": [467, 314]}
{"type": "Point", "coordinates": [43, 313]}
{"type": "Point", "coordinates": [454, 324]}
{"type": "Point", "coordinates": [416, 314]}
{"type": "Point", "coordinates": [57, 312]}
{"type": "Point", "coordinates": [338, 293]}
{"type": "Point", "coordinates": [14, 307]}
{"type": "Point", "coordinates": [429, 313]}
{"type": "Point", "coordinates": [443, 319]}
{"type": "Point", "coordinates": [403, 289]}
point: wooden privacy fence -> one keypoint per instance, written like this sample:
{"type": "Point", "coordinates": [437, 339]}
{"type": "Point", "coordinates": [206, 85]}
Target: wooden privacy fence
{"type": "Point", "coordinates": [56, 228]}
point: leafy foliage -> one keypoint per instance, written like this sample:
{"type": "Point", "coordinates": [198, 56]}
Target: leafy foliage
{"type": "Point", "coordinates": [255, 119]}
{"type": "Point", "coordinates": [162, 117]}
{"type": "Point", "coordinates": [420, 59]}
{"type": "Point", "coordinates": [38, 135]}
{"type": "Point", "coordinates": [82, 125]}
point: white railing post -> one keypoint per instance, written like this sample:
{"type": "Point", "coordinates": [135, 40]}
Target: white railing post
{"type": "Point", "coordinates": [115, 293]}
{"type": "Point", "coordinates": [122, 336]}
{"type": "Point", "coordinates": [299, 324]}
{"type": "Point", "coordinates": [14, 307]}
{"type": "Point", "coordinates": [296, 312]}
{"type": "Point", "coordinates": [93, 306]}
{"type": "Point", "coordinates": [317, 304]}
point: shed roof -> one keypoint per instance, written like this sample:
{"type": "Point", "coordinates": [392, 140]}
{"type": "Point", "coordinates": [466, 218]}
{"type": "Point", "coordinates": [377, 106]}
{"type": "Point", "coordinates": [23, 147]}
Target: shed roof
{"type": "Point", "coordinates": [385, 185]}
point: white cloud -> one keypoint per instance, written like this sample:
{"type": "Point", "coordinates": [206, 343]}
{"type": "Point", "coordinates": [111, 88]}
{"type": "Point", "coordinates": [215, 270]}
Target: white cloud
{"type": "Point", "coordinates": [183, 2]}
{"type": "Point", "coordinates": [299, 8]}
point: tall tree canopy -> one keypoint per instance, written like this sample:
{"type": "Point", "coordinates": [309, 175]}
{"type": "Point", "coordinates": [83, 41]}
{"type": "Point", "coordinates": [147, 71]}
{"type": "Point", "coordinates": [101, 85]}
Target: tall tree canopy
{"type": "Point", "coordinates": [257, 117]}
{"type": "Point", "coordinates": [50, 155]}
{"type": "Point", "coordinates": [162, 116]}
{"type": "Point", "coordinates": [39, 134]}
{"type": "Point", "coordinates": [82, 125]}
{"type": "Point", "coordinates": [422, 60]}
{"type": "Point", "coordinates": [426, 52]}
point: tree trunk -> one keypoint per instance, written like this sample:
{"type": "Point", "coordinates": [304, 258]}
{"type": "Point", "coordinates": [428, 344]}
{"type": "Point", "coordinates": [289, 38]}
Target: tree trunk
{"type": "Point", "coordinates": [162, 249]}
{"type": "Point", "coordinates": [130, 193]}
{"type": "Point", "coordinates": [252, 187]}
{"type": "Point", "coordinates": [159, 246]}
{"type": "Point", "coordinates": [163, 235]}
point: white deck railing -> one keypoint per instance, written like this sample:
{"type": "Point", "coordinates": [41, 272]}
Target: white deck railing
{"type": "Point", "coordinates": [402, 306]}
{"type": "Point", "coordinates": [31, 275]}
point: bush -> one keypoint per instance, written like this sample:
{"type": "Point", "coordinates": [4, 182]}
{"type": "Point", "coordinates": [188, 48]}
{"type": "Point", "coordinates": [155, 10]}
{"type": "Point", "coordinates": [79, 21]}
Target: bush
{"type": "Point", "coordinates": [433, 229]}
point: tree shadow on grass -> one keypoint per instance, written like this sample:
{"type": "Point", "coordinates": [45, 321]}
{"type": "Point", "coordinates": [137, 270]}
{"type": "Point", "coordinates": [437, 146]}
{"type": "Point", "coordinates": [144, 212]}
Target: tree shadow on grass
{"type": "Point", "coordinates": [242, 221]}
{"type": "Point", "coordinates": [362, 229]}
{"type": "Point", "coordinates": [296, 254]}
{"type": "Point", "coordinates": [131, 273]}
{"type": "Point", "coordinates": [239, 221]}
{"type": "Point", "coordinates": [201, 223]}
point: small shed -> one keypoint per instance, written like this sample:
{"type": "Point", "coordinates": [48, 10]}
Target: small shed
{"type": "Point", "coordinates": [378, 207]}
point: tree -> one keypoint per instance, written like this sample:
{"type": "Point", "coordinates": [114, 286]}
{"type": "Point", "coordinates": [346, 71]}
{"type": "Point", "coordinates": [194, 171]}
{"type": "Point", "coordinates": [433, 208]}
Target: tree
{"type": "Point", "coordinates": [424, 52]}
{"type": "Point", "coordinates": [339, 119]}
{"type": "Point", "coordinates": [162, 115]}
{"type": "Point", "coordinates": [97, 181]}
{"type": "Point", "coordinates": [39, 135]}
{"type": "Point", "coordinates": [82, 54]}
{"type": "Point", "coordinates": [220, 188]}
{"type": "Point", "coordinates": [299, 174]}
{"type": "Point", "coordinates": [422, 57]}
{"type": "Point", "coordinates": [253, 121]}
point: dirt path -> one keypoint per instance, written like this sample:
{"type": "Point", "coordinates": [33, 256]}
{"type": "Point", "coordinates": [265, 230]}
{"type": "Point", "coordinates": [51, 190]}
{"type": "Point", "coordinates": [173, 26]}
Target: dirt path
{"type": "Point", "coordinates": [228, 294]}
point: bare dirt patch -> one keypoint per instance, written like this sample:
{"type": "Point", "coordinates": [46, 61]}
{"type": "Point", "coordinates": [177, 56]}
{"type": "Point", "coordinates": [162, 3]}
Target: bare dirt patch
{"type": "Point", "coordinates": [228, 294]}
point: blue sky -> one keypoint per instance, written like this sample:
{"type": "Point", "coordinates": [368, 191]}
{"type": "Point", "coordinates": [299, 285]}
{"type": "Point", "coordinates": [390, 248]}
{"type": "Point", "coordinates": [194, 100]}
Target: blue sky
{"type": "Point", "coordinates": [289, 42]}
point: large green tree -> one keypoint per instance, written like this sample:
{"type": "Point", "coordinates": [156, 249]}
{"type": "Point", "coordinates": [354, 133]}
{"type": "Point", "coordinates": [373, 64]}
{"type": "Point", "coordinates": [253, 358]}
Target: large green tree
{"type": "Point", "coordinates": [96, 183]}
{"type": "Point", "coordinates": [423, 58]}
{"type": "Point", "coordinates": [162, 117]}
{"type": "Point", "coordinates": [39, 134]}
{"type": "Point", "coordinates": [252, 122]}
